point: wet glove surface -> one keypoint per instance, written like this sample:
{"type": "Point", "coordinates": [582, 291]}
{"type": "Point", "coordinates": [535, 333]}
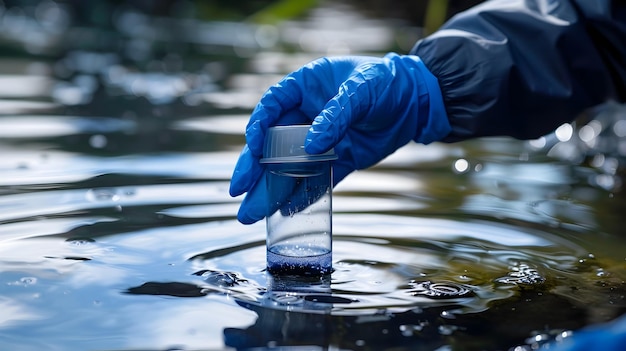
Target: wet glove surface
{"type": "Point", "coordinates": [364, 107]}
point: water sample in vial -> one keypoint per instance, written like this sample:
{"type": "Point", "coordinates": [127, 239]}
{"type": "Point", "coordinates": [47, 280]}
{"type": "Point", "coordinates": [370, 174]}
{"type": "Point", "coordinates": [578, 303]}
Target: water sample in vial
{"type": "Point", "coordinates": [299, 195]}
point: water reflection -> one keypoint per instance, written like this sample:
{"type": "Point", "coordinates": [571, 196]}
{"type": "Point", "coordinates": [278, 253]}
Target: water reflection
{"type": "Point", "coordinates": [41, 126]}
{"type": "Point", "coordinates": [20, 86]}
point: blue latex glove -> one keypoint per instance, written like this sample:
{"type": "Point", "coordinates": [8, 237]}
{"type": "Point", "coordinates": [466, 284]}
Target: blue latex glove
{"type": "Point", "coordinates": [606, 337]}
{"type": "Point", "coordinates": [364, 107]}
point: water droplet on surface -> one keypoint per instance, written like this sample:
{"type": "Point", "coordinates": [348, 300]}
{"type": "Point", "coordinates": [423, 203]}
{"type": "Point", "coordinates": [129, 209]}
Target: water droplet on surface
{"type": "Point", "coordinates": [439, 290]}
{"type": "Point", "coordinates": [522, 274]}
{"type": "Point", "coordinates": [221, 279]}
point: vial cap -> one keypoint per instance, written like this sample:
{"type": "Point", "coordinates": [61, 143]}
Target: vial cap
{"type": "Point", "coordinates": [286, 144]}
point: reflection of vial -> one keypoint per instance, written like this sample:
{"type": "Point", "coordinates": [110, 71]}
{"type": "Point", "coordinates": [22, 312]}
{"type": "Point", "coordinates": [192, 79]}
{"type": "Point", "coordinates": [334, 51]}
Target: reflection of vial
{"type": "Point", "coordinates": [299, 293]}
{"type": "Point", "coordinates": [299, 193]}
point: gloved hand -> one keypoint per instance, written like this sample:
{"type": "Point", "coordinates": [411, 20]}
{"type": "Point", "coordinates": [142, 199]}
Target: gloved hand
{"type": "Point", "coordinates": [609, 336]}
{"type": "Point", "coordinates": [364, 107]}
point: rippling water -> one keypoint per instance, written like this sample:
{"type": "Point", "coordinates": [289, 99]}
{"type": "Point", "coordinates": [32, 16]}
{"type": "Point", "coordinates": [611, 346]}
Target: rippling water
{"type": "Point", "coordinates": [117, 231]}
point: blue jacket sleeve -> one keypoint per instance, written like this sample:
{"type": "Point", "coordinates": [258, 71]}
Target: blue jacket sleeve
{"type": "Point", "coordinates": [523, 67]}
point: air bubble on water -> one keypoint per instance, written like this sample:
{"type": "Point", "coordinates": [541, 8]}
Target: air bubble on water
{"type": "Point", "coordinates": [80, 241]}
{"type": "Point", "coordinates": [439, 290]}
{"type": "Point", "coordinates": [28, 280]}
{"type": "Point", "coordinates": [360, 342]}
{"type": "Point", "coordinates": [522, 274]}
{"type": "Point", "coordinates": [103, 194]}
{"type": "Point", "coordinates": [98, 141]}
{"type": "Point", "coordinates": [221, 279]}
{"type": "Point", "coordinates": [25, 281]}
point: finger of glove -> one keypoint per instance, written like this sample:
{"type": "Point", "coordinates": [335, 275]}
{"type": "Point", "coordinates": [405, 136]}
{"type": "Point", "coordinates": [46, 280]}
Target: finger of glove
{"type": "Point", "coordinates": [283, 96]}
{"type": "Point", "coordinates": [334, 121]}
{"type": "Point", "coordinates": [294, 195]}
{"type": "Point", "coordinates": [248, 170]}
{"type": "Point", "coordinates": [246, 174]}
{"type": "Point", "coordinates": [253, 208]}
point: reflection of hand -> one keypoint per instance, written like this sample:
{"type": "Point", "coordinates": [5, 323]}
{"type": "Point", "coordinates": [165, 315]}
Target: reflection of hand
{"type": "Point", "coordinates": [364, 107]}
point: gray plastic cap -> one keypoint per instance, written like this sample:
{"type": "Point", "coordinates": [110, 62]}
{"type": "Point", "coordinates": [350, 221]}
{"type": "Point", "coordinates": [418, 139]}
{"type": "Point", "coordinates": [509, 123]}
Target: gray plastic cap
{"type": "Point", "coordinates": [286, 144]}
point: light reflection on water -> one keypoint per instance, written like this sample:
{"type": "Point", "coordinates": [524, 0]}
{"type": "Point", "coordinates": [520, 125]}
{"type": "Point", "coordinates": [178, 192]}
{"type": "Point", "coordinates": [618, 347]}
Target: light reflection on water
{"type": "Point", "coordinates": [114, 212]}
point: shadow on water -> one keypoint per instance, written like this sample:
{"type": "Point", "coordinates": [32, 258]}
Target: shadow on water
{"type": "Point", "coordinates": [118, 137]}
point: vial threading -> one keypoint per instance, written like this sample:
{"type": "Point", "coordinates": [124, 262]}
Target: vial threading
{"type": "Point", "coordinates": [299, 195]}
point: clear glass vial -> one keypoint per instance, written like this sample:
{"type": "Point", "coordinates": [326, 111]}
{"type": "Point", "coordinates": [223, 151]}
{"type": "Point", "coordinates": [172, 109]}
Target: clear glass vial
{"type": "Point", "coordinates": [299, 195]}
